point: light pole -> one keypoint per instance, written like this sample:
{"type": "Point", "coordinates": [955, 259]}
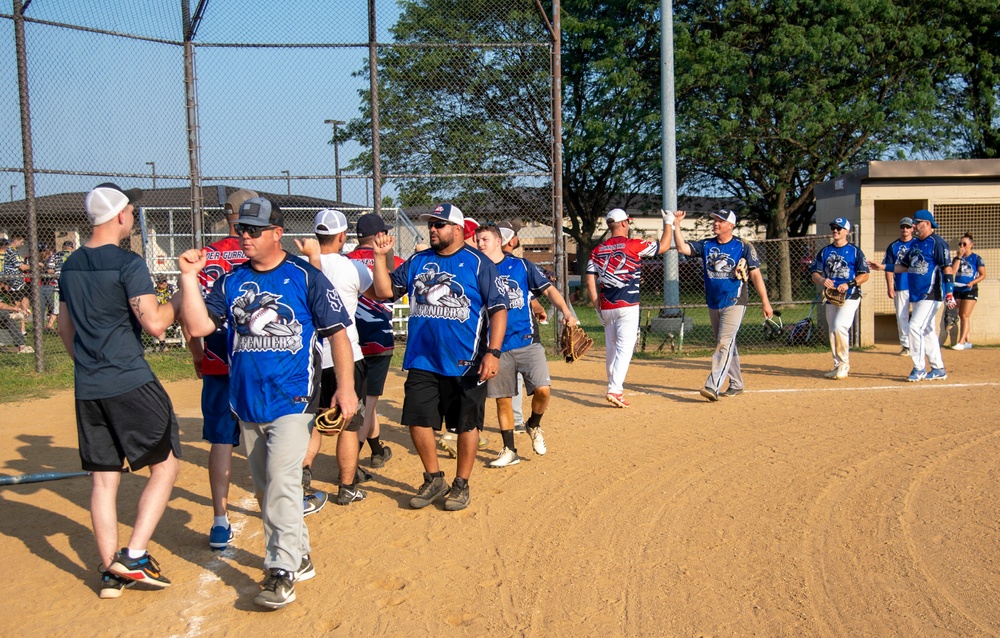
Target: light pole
{"type": "Point", "coordinates": [288, 178]}
{"type": "Point", "coordinates": [12, 187]}
{"type": "Point", "coordinates": [153, 164]}
{"type": "Point", "coordinates": [336, 153]}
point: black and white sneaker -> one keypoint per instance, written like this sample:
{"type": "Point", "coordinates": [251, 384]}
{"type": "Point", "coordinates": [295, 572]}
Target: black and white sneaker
{"type": "Point", "coordinates": [112, 586]}
{"type": "Point", "coordinates": [306, 570]}
{"type": "Point", "coordinates": [349, 494]}
{"type": "Point", "coordinates": [279, 589]}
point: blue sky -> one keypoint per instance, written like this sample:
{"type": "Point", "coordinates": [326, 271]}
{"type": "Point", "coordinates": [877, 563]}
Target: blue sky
{"type": "Point", "coordinates": [109, 104]}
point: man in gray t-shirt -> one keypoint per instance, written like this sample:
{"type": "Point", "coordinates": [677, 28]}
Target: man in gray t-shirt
{"type": "Point", "coordinates": [123, 414]}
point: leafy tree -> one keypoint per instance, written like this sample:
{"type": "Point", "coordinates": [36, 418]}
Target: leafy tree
{"type": "Point", "coordinates": [777, 96]}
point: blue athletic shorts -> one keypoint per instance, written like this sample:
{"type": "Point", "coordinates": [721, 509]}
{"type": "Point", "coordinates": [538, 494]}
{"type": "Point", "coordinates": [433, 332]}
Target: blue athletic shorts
{"type": "Point", "coordinates": [221, 425]}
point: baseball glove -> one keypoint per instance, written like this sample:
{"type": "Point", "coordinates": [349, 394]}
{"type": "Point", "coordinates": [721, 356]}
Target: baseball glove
{"type": "Point", "coordinates": [741, 272]}
{"type": "Point", "coordinates": [834, 296]}
{"type": "Point", "coordinates": [950, 317]}
{"type": "Point", "coordinates": [574, 343]}
{"type": "Point", "coordinates": [330, 422]}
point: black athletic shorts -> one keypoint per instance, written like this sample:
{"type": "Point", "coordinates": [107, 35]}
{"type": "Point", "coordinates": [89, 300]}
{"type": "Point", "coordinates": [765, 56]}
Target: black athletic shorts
{"type": "Point", "coordinates": [139, 426]}
{"type": "Point", "coordinates": [430, 398]}
{"type": "Point", "coordinates": [378, 370]}
{"type": "Point", "coordinates": [967, 293]}
{"type": "Point", "coordinates": [328, 387]}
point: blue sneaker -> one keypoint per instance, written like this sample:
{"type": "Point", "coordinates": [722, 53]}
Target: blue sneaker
{"type": "Point", "coordinates": [916, 375]}
{"type": "Point", "coordinates": [937, 374]}
{"type": "Point", "coordinates": [219, 537]}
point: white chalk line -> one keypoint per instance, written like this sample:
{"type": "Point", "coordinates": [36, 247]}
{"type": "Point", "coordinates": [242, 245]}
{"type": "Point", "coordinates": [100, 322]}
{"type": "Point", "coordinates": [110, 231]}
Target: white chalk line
{"type": "Point", "coordinates": [919, 385]}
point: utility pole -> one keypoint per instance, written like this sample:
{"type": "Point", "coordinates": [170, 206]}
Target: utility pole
{"type": "Point", "coordinates": [288, 178]}
{"type": "Point", "coordinates": [336, 154]}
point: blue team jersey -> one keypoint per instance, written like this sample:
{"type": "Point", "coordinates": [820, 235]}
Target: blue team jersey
{"type": "Point", "coordinates": [450, 301]}
{"type": "Point", "coordinates": [840, 265]}
{"type": "Point", "coordinates": [275, 319]}
{"type": "Point", "coordinates": [893, 255]}
{"type": "Point", "coordinates": [722, 288]}
{"type": "Point", "coordinates": [968, 268]}
{"type": "Point", "coordinates": [521, 279]}
{"type": "Point", "coordinates": [924, 262]}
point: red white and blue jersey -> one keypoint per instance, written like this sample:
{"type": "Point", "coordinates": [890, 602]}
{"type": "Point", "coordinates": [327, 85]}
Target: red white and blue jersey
{"type": "Point", "coordinates": [924, 262]}
{"type": "Point", "coordinates": [374, 318]}
{"type": "Point", "coordinates": [617, 264]}
{"type": "Point", "coordinates": [221, 257]}
{"type": "Point", "coordinates": [722, 288]}
{"type": "Point", "coordinates": [968, 269]}
{"type": "Point", "coordinates": [275, 320]}
{"type": "Point", "coordinates": [521, 279]}
{"type": "Point", "coordinates": [894, 254]}
{"type": "Point", "coordinates": [840, 265]}
{"type": "Point", "coordinates": [451, 298]}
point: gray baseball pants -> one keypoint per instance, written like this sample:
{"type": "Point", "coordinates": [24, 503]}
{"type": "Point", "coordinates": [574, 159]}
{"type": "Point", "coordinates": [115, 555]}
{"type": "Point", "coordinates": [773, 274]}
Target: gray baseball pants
{"type": "Point", "coordinates": [726, 360]}
{"type": "Point", "coordinates": [275, 452]}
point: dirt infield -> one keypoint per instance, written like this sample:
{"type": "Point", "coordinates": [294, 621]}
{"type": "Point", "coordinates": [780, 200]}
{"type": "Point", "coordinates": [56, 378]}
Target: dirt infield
{"type": "Point", "coordinates": [804, 507]}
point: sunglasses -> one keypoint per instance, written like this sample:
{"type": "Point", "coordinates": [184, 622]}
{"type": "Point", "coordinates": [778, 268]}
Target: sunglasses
{"type": "Point", "coordinates": [252, 231]}
{"type": "Point", "coordinates": [438, 225]}
{"type": "Point", "coordinates": [836, 229]}
{"type": "Point", "coordinates": [906, 226]}
{"type": "Point", "coordinates": [964, 243]}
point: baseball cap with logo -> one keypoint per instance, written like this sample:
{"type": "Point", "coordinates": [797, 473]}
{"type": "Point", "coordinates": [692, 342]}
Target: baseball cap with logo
{"type": "Point", "coordinates": [447, 213]}
{"type": "Point", "coordinates": [259, 211]}
{"type": "Point", "coordinates": [236, 199]}
{"type": "Point", "coordinates": [330, 222]}
{"type": "Point", "coordinates": [906, 222]}
{"type": "Point", "coordinates": [616, 215]}
{"type": "Point", "coordinates": [925, 215]}
{"type": "Point", "coordinates": [370, 225]}
{"type": "Point", "coordinates": [107, 200]}
{"type": "Point", "coordinates": [840, 222]}
{"type": "Point", "coordinates": [725, 216]}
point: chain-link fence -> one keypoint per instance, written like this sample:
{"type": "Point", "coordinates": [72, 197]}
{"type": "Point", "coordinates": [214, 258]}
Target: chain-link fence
{"type": "Point", "coordinates": [193, 100]}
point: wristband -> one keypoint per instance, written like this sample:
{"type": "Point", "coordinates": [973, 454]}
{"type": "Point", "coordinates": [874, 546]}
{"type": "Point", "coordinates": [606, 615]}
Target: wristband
{"type": "Point", "coordinates": [949, 284]}
{"type": "Point", "coordinates": [852, 283]}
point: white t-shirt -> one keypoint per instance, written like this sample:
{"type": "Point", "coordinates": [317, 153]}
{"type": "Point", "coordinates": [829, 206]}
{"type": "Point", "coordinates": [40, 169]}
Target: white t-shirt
{"type": "Point", "coordinates": [350, 278]}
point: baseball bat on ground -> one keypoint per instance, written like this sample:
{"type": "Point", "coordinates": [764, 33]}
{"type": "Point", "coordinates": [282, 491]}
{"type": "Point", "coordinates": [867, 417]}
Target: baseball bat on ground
{"type": "Point", "coordinates": [39, 478]}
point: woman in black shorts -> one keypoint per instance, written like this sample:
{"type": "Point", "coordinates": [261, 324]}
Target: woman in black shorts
{"type": "Point", "coordinates": [969, 270]}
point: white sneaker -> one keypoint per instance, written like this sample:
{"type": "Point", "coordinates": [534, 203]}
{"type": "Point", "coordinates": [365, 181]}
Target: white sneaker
{"type": "Point", "coordinates": [449, 443]}
{"type": "Point", "coordinates": [958, 346]}
{"type": "Point", "coordinates": [842, 371]}
{"type": "Point", "coordinates": [537, 440]}
{"type": "Point", "coordinates": [832, 374]}
{"type": "Point", "coordinates": [968, 346]}
{"type": "Point", "coordinates": [505, 458]}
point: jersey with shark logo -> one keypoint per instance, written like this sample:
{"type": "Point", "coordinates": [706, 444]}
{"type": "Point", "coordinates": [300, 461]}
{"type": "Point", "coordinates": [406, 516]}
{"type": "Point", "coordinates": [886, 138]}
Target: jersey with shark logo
{"type": "Point", "coordinates": [722, 288]}
{"type": "Point", "coordinates": [840, 265]}
{"type": "Point", "coordinates": [450, 301]}
{"type": "Point", "coordinates": [924, 261]}
{"type": "Point", "coordinates": [521, 279]}
{"type": "Point", "coordinates": [894, 253]}
{"type": "Point", "coordinates": [275, 319]}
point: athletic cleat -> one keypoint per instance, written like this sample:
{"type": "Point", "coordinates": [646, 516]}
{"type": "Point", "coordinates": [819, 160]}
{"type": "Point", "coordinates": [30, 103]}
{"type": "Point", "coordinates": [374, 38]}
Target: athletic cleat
{"type": "Point", "coordinates": [505, 458]}
{"type": "Point", "coordinates": [519, 428]}
{"type": "Point", "coordinates": [936, 374]}
{"type": "Point", "coordinates": [279, 589]}
{"type": "Point", "coordinates": [458, 498]}
{"type": "Point", "coordinates": [904, 352]}
{"type": "Point", "coordinates": [617, 399]}
{"type": "Point", "coordinates": [449, 443]}
{"type": "Point", "coordinates": [379, 460]}
{"type": "Point", "coordinates": [842, 371]}
{"type": "Point", "coordinates": [112, 586]}
{"type": "Point", "coordinates": [219, 537]}
{"type": "Point", "coordinates": [832, 374]}
{"type": "Point", "coordinates": [144, 569]}
{"type": "Point", "coordinates": [709, 394]}
{"type": "Point", "coordinates": [349, 494]}
{"type": "Point", "coordinates": [916, 375]}
{"type": "Point", "coordinates": [537, 440]}
{"type": "Point", "coordinates": [483, 441]}
{"type": "Point", "coordinates": [360, 476]}
{"type": "Point", "coordinates": [307, 570]}
{"type": "Point", "coordinates": [968, 345]}
{"type": "Point", "coordinates": [732, 392]}
{"type": "Point", "coordinates": [312, 503]}
{"type": "Point", "coordinates": [433, 488]}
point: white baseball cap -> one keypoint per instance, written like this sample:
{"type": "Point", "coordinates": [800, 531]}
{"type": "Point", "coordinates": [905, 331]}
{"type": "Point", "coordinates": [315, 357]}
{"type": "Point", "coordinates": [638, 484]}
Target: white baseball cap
{"type": "Point", "coordinates": [617, 215]}
{"type": "Point", "coordinates": [725, 216]}
{"type": "Point", "coordinates": [107, 200]}
{"type": "Point", "coordinates": [330, 222]}
{"type": "Point", "coordinates": [446, 213]}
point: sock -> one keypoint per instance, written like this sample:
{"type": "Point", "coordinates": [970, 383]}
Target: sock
{"type": "Point", "coordinates": [135, 553]}
{"type": "Point", "coordinates": [508, 439]}
{"type": "Point", "coordinates": [220, 521]}
{"type": "Point", "coordinates": [534, 420]}
{"type": "Point", "coordinates": [376, 446]}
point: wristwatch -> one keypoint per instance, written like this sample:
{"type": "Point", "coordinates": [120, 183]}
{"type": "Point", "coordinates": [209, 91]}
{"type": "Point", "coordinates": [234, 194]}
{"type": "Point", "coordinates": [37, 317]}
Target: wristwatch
{"type": "Point", "coordinates": [494, 352]}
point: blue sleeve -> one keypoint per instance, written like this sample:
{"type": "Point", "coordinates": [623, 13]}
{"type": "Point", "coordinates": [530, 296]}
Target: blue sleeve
{"type": "Point", "coordinates": [979, 263]}
{"type": "Point", "coordinates": [537, 282]}
{"type": "Point", "coordinates": [326, 306]}
{"type": "Point", "coordinates": [493, 297]}
{"type": "Point", "coordinates": [216, 299]}
{"type": "Point", "coordinates": [861, 265]}
{"type": "Point", "coordinates": [890, 256]}
{"type": "Point", "coordinates": [400, 278]}
{"type": "Point", "coordinates": [819, 264]}
{"type": "Point", "coordinates": [942, 254]}
{"type": "Point", "coordinates": [750, 254]}
{"type": "Point", "coordinates": [697, 247]}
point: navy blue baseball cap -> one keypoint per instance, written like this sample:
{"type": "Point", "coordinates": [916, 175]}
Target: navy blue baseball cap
{"type": "Point", "coordinates": [259, 211]}
{"type": "Point", "coordinates": [925, 215]}
{"type": "Point", "coordinates": [840, 222]}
